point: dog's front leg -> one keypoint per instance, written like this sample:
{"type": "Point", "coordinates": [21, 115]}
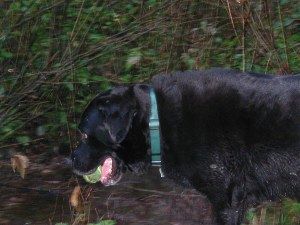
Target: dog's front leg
{"type": "Point", "coordinates": [231, 216]}
{"type": "Point", "coordinates": [233, 211]}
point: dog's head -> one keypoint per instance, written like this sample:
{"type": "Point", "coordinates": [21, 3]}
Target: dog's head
{"type": "Point", "coordinates": [113, 133]}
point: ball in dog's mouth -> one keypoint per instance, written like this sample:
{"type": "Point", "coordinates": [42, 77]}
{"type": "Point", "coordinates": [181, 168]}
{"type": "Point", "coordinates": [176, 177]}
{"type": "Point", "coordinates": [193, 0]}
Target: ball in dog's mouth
{"type": "Point", "coordinates": [93, 177]}
{"type": "Point", "coordinates": [106, 172]}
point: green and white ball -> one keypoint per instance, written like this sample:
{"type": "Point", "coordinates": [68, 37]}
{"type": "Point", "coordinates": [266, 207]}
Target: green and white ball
{"type": "Point", "coordinates": [94, 177]}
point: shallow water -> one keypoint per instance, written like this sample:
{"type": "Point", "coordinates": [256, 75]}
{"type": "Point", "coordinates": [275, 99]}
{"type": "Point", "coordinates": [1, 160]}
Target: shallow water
{"type": "Point", "coordinates": [43, 198]}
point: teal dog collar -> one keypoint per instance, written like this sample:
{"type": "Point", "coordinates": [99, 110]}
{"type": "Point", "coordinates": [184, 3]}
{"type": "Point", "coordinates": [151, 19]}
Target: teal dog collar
{"type": "Point", "coordinates": [154, 130]}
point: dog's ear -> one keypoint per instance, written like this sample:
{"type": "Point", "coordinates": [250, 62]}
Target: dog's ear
{"type": "Point", "coordinates": [141, 92]}
{"type": "Point", "coordinates": [117, 113]}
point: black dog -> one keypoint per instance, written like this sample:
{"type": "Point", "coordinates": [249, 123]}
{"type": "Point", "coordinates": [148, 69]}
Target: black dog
{"type": "Point", "coordinates": [233, 136]}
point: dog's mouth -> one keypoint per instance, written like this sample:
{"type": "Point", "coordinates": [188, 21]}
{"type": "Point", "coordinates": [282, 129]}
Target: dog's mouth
{"type": "Point", "coordinates": [110, 171]}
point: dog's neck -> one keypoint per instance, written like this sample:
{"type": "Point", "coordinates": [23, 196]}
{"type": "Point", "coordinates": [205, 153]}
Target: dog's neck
{"type": "Point", "coordinates": [144, 135]}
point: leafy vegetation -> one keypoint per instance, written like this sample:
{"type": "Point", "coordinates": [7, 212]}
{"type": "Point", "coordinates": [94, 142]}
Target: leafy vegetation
{"type": "Point", "coordinates": [56, 55]}
{"type": "Point", "coordinates": [287, 213]}
{"type": "Point", "coordinates": [103, 222]}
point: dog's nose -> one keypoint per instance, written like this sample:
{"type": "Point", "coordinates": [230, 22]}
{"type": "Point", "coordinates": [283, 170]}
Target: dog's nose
{"type": "Point", "coordinates": [77, 159]}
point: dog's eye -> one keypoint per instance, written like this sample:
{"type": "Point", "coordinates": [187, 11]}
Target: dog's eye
{"type": "Point", "coordinates": [115, 114]}
{"type": "Point", "coordinates": [107, 102]}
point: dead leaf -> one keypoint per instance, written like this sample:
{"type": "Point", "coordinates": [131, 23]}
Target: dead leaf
{"type": "Point", "coordinates": [20, 163]}
{"type": "Point", "coordinates": [76, 199]}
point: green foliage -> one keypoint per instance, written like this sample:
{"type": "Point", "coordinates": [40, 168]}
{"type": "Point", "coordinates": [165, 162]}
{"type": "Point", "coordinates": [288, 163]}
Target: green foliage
{"type": "Point", "coordinates": [4, 55]}
{"type": "Point", "coordinates": [56, 55]}
{"type": "Point", "coordinates": [250, 215]}
{"type": "Point", "coordinates": [24, 140]}
{"type": "Point", "coordinates": [102, 222]}
{"type": "Point", "coordinates": [287, 213]}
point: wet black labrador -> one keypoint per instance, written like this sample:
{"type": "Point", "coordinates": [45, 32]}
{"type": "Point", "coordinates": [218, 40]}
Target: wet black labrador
{"type": "Point", "coordinates": [233, 136]}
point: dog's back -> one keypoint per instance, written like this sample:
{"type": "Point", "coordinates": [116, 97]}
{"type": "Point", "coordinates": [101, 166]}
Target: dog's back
{"type": "Point", "coordinates": [261, 109]}
{"type": "Point", "coordinates": [234, 136]}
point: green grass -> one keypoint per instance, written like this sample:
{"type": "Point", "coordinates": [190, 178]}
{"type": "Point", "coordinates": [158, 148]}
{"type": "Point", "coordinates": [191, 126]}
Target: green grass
{"type": "Point", "coordinates": [284, 213]}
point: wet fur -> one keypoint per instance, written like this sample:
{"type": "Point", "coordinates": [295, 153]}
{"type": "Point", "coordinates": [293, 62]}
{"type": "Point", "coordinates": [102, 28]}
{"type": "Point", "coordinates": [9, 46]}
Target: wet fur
{"type": "Point", "coordinates": [233, 136]}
